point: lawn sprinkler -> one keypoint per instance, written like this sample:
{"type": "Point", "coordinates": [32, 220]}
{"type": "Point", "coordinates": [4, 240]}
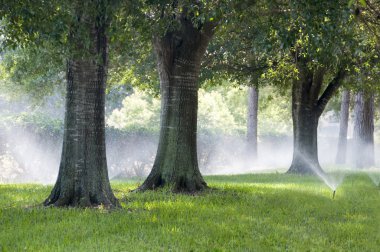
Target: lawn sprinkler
{"type": "Point", "coordinates": [333, 194]}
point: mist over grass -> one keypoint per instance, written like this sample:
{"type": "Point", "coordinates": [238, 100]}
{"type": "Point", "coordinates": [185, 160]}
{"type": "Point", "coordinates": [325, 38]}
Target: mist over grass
{"type": "Point", "coordinates": [31, 135]}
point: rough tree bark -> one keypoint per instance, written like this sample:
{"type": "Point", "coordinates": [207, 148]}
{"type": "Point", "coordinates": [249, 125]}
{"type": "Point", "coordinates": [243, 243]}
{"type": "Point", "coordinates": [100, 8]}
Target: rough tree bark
{"type": "Point", "coordinates": [252, 111]}
{"type": "Point", "coordinates": [342, 141]}
{"type": "Point", "coordinates": [179, 56]}
{"type": "Point", "coordinates": [307, 107]}
{"type": "Point", "coordinates": [83, 178]}
{"type": "Point", "coordinates": [364, 155]}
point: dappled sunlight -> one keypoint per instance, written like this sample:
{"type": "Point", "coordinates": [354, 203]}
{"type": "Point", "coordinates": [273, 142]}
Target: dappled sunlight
{"type": "Point", "coordinates": [22, 195]}
{"type": "Point", "coordinates": [173, 205]}
{"type": "Point", "coordinates": [271, 210]}
{"type": "Point", "coordinates": [189, 125]}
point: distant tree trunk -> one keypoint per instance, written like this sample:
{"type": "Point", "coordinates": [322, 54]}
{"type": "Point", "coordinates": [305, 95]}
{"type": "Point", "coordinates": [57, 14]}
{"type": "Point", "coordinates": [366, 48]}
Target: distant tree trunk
{"type": "Point", "coordinates": [253, 103]}
{"type": "Point", "coordinates": [2, 142]}
{"type": "Point", "coordinates": [307, 107]}
{"type": "Point", "coordinates": [344, 114]}
{"type": "Point", "coordinates": [83, 178]}
{"type": "Point", "coordinates": [364, 155]}
{"type": "Point", "coordinates": [179, 58]}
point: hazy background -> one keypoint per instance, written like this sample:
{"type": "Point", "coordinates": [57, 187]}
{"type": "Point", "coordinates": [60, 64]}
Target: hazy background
{"type": "Point", "coordinates": [31, 134]}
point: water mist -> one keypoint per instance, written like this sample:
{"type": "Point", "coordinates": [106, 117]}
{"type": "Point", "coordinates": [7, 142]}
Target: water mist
{"type": "Point", "coordinates": [333, 182]}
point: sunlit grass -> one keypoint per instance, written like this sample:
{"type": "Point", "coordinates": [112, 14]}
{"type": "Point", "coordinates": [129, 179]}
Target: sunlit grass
{"type": "Point", "coordinates": [243, 212]}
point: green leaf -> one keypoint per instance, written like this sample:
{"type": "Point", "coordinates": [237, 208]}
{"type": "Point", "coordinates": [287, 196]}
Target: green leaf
{"type": "Point", "coordinates": [363, 3]}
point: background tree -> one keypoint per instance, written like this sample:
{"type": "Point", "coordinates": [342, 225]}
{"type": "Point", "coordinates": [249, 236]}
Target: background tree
{"type": "Point", "coordinates": [241, 53]}
{"type": "Point", "coordinates": [318, 38]}
{"type": "Point", "coordinates": [252, 111]}
{"type": "Point", "coordinates": [343, 126]}
{"type": "Point", "coordinates": [367, 14]}
{"type": "Point", "coordinates": [364, 155]}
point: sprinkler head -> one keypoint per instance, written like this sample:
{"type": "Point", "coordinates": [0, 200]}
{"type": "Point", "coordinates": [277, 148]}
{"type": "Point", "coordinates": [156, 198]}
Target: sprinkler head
{"type": "Point", "coordinates": [333, 194]}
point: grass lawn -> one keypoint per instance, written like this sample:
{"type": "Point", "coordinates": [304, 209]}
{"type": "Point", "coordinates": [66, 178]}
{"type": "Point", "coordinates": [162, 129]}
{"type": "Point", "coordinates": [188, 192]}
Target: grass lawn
{"type": "Point", "coordinates": [255, 212]}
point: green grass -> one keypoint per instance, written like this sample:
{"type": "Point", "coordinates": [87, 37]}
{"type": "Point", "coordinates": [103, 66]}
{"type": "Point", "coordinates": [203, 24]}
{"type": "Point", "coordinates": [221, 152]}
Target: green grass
{"type": "Point", "coordinates": [265, 212]}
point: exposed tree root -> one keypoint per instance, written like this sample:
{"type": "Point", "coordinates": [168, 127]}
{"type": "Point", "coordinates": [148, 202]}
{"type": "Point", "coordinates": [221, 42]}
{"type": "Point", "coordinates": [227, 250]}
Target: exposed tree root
{"type": "Point", "coordinates": [69, 199]}
{"type": "Point", "coordinates": [178, 185]}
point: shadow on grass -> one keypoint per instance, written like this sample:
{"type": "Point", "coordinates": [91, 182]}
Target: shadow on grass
{"type": "Point", "coordinates": [253, 213]}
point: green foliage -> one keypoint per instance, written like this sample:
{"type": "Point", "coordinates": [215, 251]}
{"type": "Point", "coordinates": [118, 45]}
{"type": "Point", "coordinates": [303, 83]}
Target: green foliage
{"type": "Point", "coordinates": [39, 122]}
{"type": "Point", "coordinates": [334, 106]}
{"type": "Point", "coordinates": [367, 13]}
{"type": "Point", "coordinates": [134, 65]}
{"type": "Point", "coordinates": [140, 112]}
{"type": "Point", "coordinates": [35, 71]}
{"type": "Point", "coordinates": [281, 74]}
{"type": "Point", "coordinates": [142, 20]}
{"type": "Point", "coordinates": [156, 17]}
{"type": "Point", "coordinates": [321, 31]}
{"type": "Point", "coordinates": [366, 71]}
{"type": "Point", "coordinates": [274, 116]}
{"type": "Point", "coordinates": [261, 212]}
{"type": "Point", "coordinates": [317, 34]}
{"type": "Point", "coordinates": [240, 49]}
{"type": "Point", "coordinates": [215, 115]}
{"type": "Point", "coordinates": [222, 110]}
{"type": "Point", "coordinates": [57, 22]}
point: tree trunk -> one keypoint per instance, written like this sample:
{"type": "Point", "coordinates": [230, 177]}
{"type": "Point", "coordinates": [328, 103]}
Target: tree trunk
{"type": "Point", "coordinates": [2, 142]}
{"type": "Point", "coordinates": [344, 114]}
{"type": "Point", "coordinates": [307, 107]}
{"type": "Point", "coordinates": [305, 129]}
{"type": "Point", "coordinates": [83, 178]}
{"type": "Point", "coordinates": [253, 103]}
{"type": "Point", "coordinates": [179, 56]}
{"type": "Point", "coordinates": [363, 130]}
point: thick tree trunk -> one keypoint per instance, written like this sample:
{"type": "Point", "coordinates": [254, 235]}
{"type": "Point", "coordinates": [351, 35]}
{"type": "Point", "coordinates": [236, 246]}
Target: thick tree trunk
{"type": "Point", "coordinates": [252, 111]}
{"type": "Point", "coordinates": [342, 141]}
{"type": "Point", "coordinates": [307, 107]}
{"type": "Point", "coordinates": [305, 128]}
{"type": "Point", "coordinates": [179, 57]}
{"type": "Point", "coordinates": [363, 130]}
{"type": "Point", "coordinates": [83, 178]}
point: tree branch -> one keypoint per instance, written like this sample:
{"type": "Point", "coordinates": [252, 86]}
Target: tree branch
{"type": "Point", "coordinates": [208, 28]}
{"type": "Point", "coordinates": [236, 69]}
{"type": "Point", "coordinates": [332, 87]}
{"type": "Point", "coordinates": [317, 82]}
